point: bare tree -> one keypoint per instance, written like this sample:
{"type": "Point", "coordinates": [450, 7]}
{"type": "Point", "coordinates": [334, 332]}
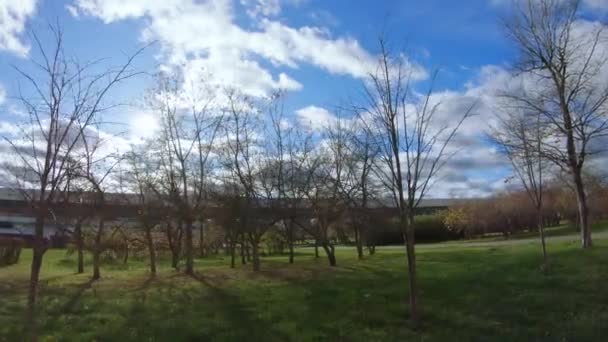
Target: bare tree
{"type": "Point", "coordinates": [142, 181]}
{"type": "Point", "coordinates": [520, 137]}
{"type": "Point", "coordinates": [412, 142]}
{"type": "Point", "coordinates": [566, 59]}
{"type": "Point", "coordinates": [325, 193]}
{"type": "Point", "coordinates": [189, 128]}
{"type": "Point", "coordinates": [94, 168]}
{"type": "Point", "coordinates": [298, 176]}
{"type": "Point", "coordinates": [359, 153]}
{"type": "Point", "coordinates": [64, 98]}
{"type": "Point", "coordinates": [242, 158]}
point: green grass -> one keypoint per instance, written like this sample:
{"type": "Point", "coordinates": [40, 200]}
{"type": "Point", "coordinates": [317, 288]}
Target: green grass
{"type": "Point", "coordinates": [475, 293]}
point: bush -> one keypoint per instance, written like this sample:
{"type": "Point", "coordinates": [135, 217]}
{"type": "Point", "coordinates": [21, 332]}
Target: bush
{"type": "Point", "coordinates": [432, 228]}
{"type": "Point", "coordinates": [10, 250]}
{"type": "Point", "coordinates": [428, 228]}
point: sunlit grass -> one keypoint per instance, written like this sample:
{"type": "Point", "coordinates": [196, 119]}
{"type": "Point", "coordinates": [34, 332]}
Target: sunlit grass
{"type": "Point", "coordinates": [474, 293]}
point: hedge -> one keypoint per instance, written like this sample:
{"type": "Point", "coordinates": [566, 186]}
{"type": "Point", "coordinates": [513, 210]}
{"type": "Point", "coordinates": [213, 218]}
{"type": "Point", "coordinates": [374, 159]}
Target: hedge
{"type": "Point", "coordinates": [10, 249]}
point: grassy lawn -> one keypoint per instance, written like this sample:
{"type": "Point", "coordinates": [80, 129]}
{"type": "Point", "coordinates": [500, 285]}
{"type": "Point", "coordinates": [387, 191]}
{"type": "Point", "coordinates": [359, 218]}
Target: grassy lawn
{"type": "Point", "coordinates": [475, 293]}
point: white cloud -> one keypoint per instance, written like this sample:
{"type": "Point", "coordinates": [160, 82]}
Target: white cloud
{"type": "Point", "coordinates": [13, 16]}
{"type": "Point", "coordinates": [204, 36]}
{"type": "Point", "coordinates": [8, 129]}
{"type": "Point", "coordinates": [266, 8]}
{"type": "Point", "coordinates": [142, 125]}
{"type": "Point", "coordinates": [315, 118]}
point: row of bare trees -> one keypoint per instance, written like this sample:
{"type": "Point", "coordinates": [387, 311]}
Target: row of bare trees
{"type": "Point", "coordinates": [218, 148]}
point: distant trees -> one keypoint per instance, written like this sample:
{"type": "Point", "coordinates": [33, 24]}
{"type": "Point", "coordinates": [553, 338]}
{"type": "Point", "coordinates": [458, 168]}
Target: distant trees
{"type": "Point", "coordinates": [565, 57]}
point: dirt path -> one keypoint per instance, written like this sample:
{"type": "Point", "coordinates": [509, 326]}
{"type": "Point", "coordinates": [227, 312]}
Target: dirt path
{"type": "Point", "coordinates": [563, 238]}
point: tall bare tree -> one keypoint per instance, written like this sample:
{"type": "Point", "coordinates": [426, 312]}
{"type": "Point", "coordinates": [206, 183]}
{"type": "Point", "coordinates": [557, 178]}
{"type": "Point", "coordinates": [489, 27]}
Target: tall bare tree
{"type": "Point", "coordinates": [243, 160]}
{"type": "Point", "coordinates": [189, 127]}
{"type": "Point", "coordinates": [359, 153]}
{"type": "Point", "coordinates": [567, 59]}
{"type": "Point", "coordinates": [94, 169]}
{"type": "Point", "coordinates": [63, 98]}
{"type": "Point", "coordinates": [141, 181]}
{"type": "Point", "coordinates": [520, 137]}
{"type": "Point", "coordinates": [412, 141]}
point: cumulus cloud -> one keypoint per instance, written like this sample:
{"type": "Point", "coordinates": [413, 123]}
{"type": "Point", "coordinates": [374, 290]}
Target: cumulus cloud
{"type": "Point", "coordinates": [266, 8]}
{"type": "Point", "coordinates": [142, 125]}
{"type": "Point", "coordinates": [315, 118]}
{"type": "Point", "coordinates": [13, 17]}
{"type": "Point", "coordinates": [204, 36]}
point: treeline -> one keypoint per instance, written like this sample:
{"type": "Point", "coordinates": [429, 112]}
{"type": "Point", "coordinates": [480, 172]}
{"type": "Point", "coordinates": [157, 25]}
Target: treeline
{"type": "Point", "coordinates": [511, 212]}
{"type": "Point", "coordinates": [262, 168]}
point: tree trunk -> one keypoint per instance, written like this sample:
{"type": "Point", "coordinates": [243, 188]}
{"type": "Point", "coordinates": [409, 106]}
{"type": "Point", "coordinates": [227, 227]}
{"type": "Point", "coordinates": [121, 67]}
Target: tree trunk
{"type": "Point", "coordinates": [174, 246]}
{"type": "Point", "coordinates": [97, 251]}
{"type": "Point", "coordinates": [243, 256]}
{"type": "Point", "coordinates": [541, 230]}
{"type": "Point", "coordinates": [358, 244]}
{"type": "Point", "coordinates": [174, 259]}
{"type": "Point", "coordinates": [583, 210]}
{"type": "Point", "coordinates": [411, 267]}
{"type": "Point", "coordinates": [79, 247]}
{"type": "Point", "coordinates": [290, 241]}
{"type": "Point", "coordinates": [316, 249]}
{"type": "Point", "coordinates": [189, 249]}
{"type": "Point", "coordinates": [126, 257]}
{"type": "Point", "coordinates": [256, 254]}
{"type": "Point", "coordinates": [371, 249]}
{"type": "Point", "coordinates": [201, 240]}
{"type": "Point", "coordinates": [331, 253]}
{"type": "Point", "coordinates": [151, 251]}
{"type": "Point", "coordinates": [232, 253]}
{"type": "Point", "coordinates": [39, 248]}
{"type": "Point", "coordinates": [291, 252]}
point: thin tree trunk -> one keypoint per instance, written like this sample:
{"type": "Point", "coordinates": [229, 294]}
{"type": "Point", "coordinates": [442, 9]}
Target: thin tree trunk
{"type": "Point", "coordinates": [371, 249]}
{"type": "Point", "coordinates": [358, 244]}
{"type": "Point", "coordinates": [232, 253]}
{"type": "Point", "coordinates": [126, 258]}
{"type": "Point", "coordinates": [411, 267]}
{"type": "Point", "coordinates": [189, 249]}
{"type": "Point", "coordinates": [256, 254]}
{"type": "Point", "coordinates": [243, 257]}
{"type": "Point", "coordinates": [290, 242]}
{"type": "Point", "coordinates": [39, 248]}
{"type": "Point", "coordinates": [330, 251]}
{"type": "Point", "coordinates": [316, 249]}
{"type": "Point", "coordinates": [583, 210]}
{"type": "Point", "coordinates": [201, 239]}
{"type": "Point", "coordinates": [291, 252]}
{"type": "Point", "coordinates": [97, 251]}
{"type": "Point", "coordinates": [151, 251]}
{"type": "Point", "coordinates": [174, 247]}
{"type": "Point", "coordinates": [79, 247]}
{"type": "Point", "coordinates": [541, 230]}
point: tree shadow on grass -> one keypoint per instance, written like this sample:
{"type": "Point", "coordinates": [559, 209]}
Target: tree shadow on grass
{"type": "Point", "coordinates": [237, 314]}
{"type": "Point", "coordinates": [68, 307]}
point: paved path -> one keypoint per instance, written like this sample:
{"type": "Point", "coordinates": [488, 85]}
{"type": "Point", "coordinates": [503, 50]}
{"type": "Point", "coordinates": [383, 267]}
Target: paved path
{"type": "Point", "coordinates": [571, 237]}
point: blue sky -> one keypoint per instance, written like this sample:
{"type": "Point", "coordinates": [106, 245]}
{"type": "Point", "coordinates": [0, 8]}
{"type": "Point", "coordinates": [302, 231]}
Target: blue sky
{"type": "Point", "coordinates": [316, 49]}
